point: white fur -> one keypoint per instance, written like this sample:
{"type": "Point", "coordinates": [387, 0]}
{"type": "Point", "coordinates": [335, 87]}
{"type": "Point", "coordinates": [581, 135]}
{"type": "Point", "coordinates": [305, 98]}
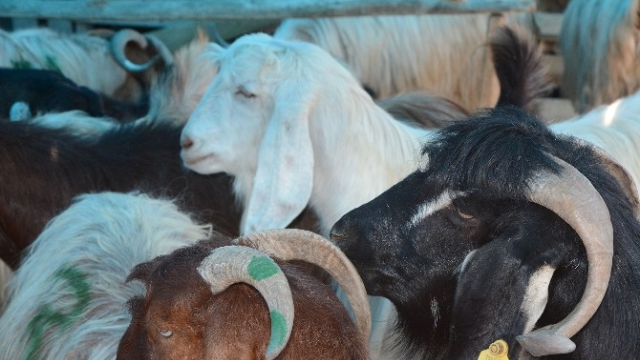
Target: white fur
{"type": "Point", "coordinates": [103, 236]}
{"type": "Point", "coordinates": [310, 136]}
{"type": "Point", "coordinates": [536, 296]}
{"type": "Point", "coordinates": [78, 121]}
{"type": "Point", "coordinates": [82, 58]}
{"type": "Point", "coordinates": [599, 41]}
{"type": "Point", "coordinates": [446, 54]}
{"type": "Point", "coordinates": [615, 128]}
{"type": "Point", "coordinates": [19, 111]}
{"type": "Point", "coordinates": [426, 209]}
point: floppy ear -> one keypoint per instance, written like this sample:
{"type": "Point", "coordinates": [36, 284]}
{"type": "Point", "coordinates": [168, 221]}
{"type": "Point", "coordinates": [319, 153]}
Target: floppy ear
{"type": "Point", "coordinates": [284, 175]}
{"type": "Point", "coordinates": [498, 296]}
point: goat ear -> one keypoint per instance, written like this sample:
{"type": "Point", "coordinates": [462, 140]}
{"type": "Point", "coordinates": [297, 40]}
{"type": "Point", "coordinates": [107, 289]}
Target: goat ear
{"type": "Point", "coordinates": [143, 271]}
{"type": "Point", "coordinates": [498, 296]}
{"type": "Point", "coordinates": [284, 175]}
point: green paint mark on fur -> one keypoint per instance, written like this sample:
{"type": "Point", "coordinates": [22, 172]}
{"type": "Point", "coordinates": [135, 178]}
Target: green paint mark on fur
{"type": "Point", "coordinates": [52, 64]}
{"type": "Point", "coordinates": [48, 317]}
{"type": "Point", "coordinates": [278, 331]}
{"type": "Point", "coordinates": [262, 267]}
{"type": "Point", "coordinates": [21, 64]}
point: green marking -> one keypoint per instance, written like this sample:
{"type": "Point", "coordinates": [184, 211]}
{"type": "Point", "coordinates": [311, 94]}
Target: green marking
{"type": "Point", "coordinates": [278, 331]}
{"type": "Point", "coordinates": [262, 267]}
{"type": "Point", "coordinates": [21, 64]}
{"type": "Point", "coordinates": [48, 317]}
{"type": "Point", "coordinates": [52, 64]}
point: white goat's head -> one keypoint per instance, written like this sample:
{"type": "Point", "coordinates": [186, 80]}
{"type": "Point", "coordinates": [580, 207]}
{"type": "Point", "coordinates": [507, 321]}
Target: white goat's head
{"type": "Point", "coordinates": [254, 120]}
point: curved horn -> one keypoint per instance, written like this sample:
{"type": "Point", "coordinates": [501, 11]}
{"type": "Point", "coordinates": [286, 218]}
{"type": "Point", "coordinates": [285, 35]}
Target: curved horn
{"type": "Point", "coordinates": [119, 42]}
{"type": "Point", "coordinates": [294, 244]}
{"type": "Point", "coordinates": [163, 51]}
{"type": "Point", "coordinates": [572, 197]}
{"type": "Point", "coordinates": [229, 265]}
{"type": "Point", "coordinates": [213, 30]}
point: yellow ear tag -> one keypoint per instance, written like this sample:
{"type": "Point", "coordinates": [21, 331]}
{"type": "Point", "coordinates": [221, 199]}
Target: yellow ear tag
{"type": "Point", "coordinates": [499, 350]}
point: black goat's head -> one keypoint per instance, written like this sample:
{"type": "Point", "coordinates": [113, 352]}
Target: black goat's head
{"type": "Point", "coordinates": [492, 208]}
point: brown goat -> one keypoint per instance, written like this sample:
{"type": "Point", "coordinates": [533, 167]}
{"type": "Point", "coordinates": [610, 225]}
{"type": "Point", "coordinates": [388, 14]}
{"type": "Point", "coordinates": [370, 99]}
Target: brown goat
{"type": "Point", "coordinates": [180, 318]}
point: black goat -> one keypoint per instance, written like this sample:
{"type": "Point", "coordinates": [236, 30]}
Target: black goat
{"type": "Point", "coordinates": [46, 91]}
{"type": "Point", "coordinates": [43, 169]}
{"type": "Point", "coordinates": [469, 253]}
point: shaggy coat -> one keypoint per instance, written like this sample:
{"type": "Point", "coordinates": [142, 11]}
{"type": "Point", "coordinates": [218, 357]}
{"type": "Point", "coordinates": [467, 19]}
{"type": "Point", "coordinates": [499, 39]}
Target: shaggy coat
{"type": "Point", "coordinates": [68, 298]}
{"type": "Point", "coordinates": [599, 42]}
{"type": "Point", "coordinates": [44, 169]}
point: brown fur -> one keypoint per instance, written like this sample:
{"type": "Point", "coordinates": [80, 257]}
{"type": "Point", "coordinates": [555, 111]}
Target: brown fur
{"type": "Point", "coordinates": [423, 109]}
{"type": "Point", "coordinates": [234, 324]}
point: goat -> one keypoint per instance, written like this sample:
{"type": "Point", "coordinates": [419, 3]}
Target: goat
{"type": "Point", "coordinates": [298, 129]}
{"type": "Point", "coordinates": [613, 128]}
{"type": "Point", "coordinates": [443, 54]}
{"type": "Point", "coordinates": [135, 156]}
{"type": "Point", "coordinates": [67, 299]}
{"type": "Point", "coordinates": [599, 43]}
{"type": "Point", "coordinates": [83, 58]}
{"type": "Point", "coordinates": [210, 317]}
{"type": "Point", "coordinates": [44, 91]}
{"type": "Point", "coordinates": [500, 233]}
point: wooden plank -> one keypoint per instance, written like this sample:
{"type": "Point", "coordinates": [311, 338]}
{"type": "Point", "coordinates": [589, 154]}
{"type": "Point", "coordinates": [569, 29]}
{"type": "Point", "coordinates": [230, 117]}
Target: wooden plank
{"type": "Point", "coordinates": [21, 24]}
{"type": "Point", "coordinates": [555, 66]}
{"type": "Point", "coordinates": [173, 10]}
{"type": "Point", "coordinates": [548, 25]}
{"type": "Point", "coordinates": [553, 110]}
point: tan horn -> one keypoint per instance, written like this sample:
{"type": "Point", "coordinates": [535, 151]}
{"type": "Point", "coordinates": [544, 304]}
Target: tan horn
{"type": "Point", "coordinates": [229, 265]}
{"type": "Point", "coordinates": [574, 199]}
{"type": "Point", "coordinates": [118, 43]}
{"type": "Point", "coordinates": [294, 244]}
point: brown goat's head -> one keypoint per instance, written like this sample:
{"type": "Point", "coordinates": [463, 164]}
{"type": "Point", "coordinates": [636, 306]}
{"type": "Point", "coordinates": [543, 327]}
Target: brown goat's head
{"type": "Point", "coordinates": [180, 318]}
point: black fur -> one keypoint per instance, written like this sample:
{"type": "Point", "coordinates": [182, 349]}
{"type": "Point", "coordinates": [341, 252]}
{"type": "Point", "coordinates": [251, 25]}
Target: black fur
{"type": "Point", "coordinates": [488, 160]}
{"type": "Point", "coordinates": [47, 91]}
{"type": "Point", "coordinates": [43, 169]}
{"type": "Point", "coordinates": [521, 72]}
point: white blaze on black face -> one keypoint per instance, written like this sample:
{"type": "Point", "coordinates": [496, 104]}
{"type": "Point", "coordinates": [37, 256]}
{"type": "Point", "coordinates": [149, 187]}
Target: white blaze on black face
{"type": "Point", "coordinates": [536, 296]}
{"type": "Point", "coordinates": [430, 207]}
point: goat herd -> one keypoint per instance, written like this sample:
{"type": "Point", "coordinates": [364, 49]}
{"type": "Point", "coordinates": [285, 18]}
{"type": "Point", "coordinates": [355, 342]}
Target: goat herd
{"type": "Point", "coordinates": [345, 188]}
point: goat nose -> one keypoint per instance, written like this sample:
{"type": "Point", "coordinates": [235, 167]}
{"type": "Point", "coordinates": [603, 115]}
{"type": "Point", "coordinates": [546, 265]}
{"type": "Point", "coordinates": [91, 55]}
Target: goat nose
{"type": "Point", "coordinates": [186, 142]}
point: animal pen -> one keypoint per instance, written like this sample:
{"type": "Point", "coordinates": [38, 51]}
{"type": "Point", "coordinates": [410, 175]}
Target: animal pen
{"type": "Point", "coordinates": [178, 22]}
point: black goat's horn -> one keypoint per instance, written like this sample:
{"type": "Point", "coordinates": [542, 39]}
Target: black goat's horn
{"type": "Point", "coordinates": [572, 197]}
{"type": "Point", "coordinates": [229, 265]}
{"type": "Point", "coordinates": [294, 244]}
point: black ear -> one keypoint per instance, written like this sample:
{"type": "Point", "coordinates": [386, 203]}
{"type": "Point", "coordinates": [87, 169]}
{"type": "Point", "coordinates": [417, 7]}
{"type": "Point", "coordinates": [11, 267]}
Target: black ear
{"type": "Point", "coordinates": [144, 270]}
{"type": "Point", "coordinates": [501, 292]}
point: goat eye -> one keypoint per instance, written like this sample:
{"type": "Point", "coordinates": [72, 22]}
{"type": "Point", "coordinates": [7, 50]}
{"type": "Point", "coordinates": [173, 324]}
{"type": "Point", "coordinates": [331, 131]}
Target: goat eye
{"type": "Point", "coordinates": [166, 333]}
{"type": "Point", "coordinates": [245, 93]}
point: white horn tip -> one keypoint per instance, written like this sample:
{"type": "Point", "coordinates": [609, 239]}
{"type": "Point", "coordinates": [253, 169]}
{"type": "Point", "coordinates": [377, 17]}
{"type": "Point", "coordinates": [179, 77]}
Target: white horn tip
{"type": "Point", "coordinates": [545, 343]}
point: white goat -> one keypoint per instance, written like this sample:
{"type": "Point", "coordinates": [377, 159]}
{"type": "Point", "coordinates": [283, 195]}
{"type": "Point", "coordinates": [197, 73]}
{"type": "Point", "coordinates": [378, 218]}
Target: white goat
{"type": "Point", "coordinates": [599, 41]}
{"type": "Point", "coordinates": [83, 58]}
{"type": "Point", "coordinates": [295, 128]}
{"type": "Point", "coordinates": [67, 299]}
{"type": "Point", "coordinates": [614, 128]}
{"type": "Point", "coordinates": [445, 54]}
